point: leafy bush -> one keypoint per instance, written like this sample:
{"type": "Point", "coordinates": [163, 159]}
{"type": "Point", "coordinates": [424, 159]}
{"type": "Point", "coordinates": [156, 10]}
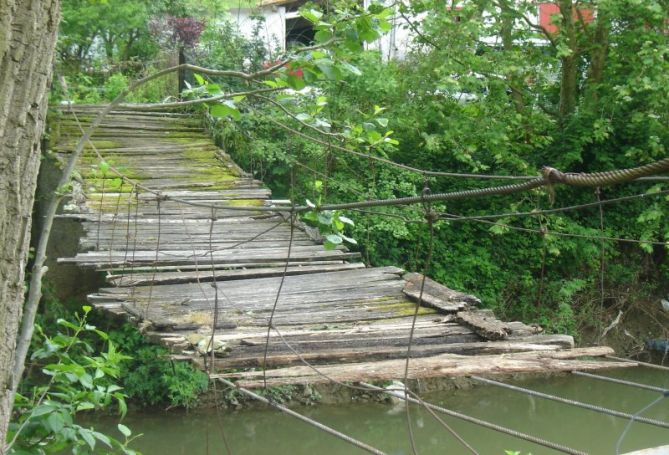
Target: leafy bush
{"type": "Point", "coordinates": [115, 85]}
{"type": "Point", "coordinates": [152, 378]}
{"type": "Point", "coordinates": [75, 378]}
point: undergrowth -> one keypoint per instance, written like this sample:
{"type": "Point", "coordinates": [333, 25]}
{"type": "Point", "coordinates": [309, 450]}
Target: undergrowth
{"type": "Point", "coordinates": [151, 378]}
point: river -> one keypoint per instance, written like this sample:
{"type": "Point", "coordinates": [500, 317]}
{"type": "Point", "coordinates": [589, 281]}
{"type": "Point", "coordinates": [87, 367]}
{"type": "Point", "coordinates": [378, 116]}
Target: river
{"type": "Point", "coordinates": [259, 432]}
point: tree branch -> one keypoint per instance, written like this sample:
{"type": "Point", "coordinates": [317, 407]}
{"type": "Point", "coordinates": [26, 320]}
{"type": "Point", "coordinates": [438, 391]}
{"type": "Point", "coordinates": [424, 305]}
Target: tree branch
{"type": "Point", "coordinates": [178, 104]}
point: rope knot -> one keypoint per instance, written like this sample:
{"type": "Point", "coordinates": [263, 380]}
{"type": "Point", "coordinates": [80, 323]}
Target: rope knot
{"type": "Point", "coordinates": [552, 175]}
{"type": "Point", "coordinates": [431, 216]}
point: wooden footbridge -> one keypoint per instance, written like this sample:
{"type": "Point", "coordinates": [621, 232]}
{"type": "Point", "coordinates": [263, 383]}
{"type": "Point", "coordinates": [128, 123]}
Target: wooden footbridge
{"type": "Point", "coordinates": [183, 271]}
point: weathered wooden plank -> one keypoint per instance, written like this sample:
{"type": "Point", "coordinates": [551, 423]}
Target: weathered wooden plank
{"type": "Point", "coordinates": [282, 356]}
{"type": "Point", "coordinates": [488, 327]}
{"type": "Point", "coordinates": [443, 365]}
{"type": "Point", "coordinates": [437, 295]}
{"type": "Point", "coordinates": [230, 256]}
{"type": "Point", "coordinates": [336, 281]}
{"type": "Point", "coordinates": [206, 275]}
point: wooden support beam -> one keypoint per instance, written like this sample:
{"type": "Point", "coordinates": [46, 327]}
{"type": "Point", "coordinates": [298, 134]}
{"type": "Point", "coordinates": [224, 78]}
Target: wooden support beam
{"type": "Point", "coordinates": [444, 365]}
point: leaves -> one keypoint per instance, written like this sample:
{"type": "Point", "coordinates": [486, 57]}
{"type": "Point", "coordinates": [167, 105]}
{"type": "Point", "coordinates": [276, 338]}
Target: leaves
{"type": "Point", "coordinates": [225, 109]}
{"type": "Point", "coordinates": [330, 223]}
{"type": "Point", "coordinates": [124, 430]}
{"type": "Point", "coordinates": [78, 380]}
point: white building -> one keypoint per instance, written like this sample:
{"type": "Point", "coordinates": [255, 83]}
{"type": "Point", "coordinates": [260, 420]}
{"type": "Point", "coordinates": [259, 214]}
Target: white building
{"type": "Point", "coordinates": [283, 25]}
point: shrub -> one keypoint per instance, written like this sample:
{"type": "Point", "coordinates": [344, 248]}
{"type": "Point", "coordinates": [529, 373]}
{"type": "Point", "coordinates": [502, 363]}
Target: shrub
{"type": "Point", "coordinates": [74, 377]}
{"type": "Point", "coordinates": [152, 378]}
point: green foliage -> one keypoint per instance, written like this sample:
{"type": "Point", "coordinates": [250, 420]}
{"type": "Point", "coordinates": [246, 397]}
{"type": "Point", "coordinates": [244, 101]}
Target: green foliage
{"type": "Point", "coordinates": [152, 378]}
{"type": "Point", "coordinates": [458, 105]}
{"type": "Point", "coordinates": [330, 223]}
{"type": "Point", "coordinates": [116, 84]}
{"type": "Point", "coordinates": [74, 378]}
{"type": "Point", "coordinates": [117, 29]}
{"type": "Point", "coordinates": [586, 99]}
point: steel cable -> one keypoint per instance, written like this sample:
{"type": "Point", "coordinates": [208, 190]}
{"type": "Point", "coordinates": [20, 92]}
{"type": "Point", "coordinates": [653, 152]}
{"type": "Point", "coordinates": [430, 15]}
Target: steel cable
{"type": "Point", "coordinates": [483, 423]}
{"type": "Point", "coordinates": [304, 418]}
{"type": "Point", "coordinates": [621, 382]}
{"type": "Point", "coordinates": [591, 407]}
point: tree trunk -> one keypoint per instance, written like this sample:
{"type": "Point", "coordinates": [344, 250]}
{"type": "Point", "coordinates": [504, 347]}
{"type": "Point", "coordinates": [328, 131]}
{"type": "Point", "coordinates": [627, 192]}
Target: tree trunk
{"type": "Point", "coordinates": [27, 40]}
{"type": "Point", "coordinates": [182, 72]}
{"type": "Point", "coordinates": [598, 55]}
{"type": "Point", "coordinates": [569, 76]}
{"type": "Point", "coordinates": [507, 19]}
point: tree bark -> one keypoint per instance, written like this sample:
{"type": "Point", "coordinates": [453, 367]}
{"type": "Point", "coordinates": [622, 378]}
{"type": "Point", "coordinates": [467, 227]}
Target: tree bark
{"type": "Point", "coordinates": [569, 76]}
{"type": "Point", "coordinates": [27, 40]}
{"type": "Point", "coordinates": [598, 55]}
{"type": "Point", "coordinates": [507, 19]}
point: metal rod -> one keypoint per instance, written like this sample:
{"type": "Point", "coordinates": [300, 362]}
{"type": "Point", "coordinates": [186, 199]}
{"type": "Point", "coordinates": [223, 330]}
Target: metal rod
{"type": "Point", "coordinates": [621, 381]}
{"type": "Point", "coordinates": [483, 423]}
{"type": "Point", "coordinates": [591, 407]}
{"type": "Point", "coordinates": [645, 364]}
{"type": "Point", "coordinates": [305, 419]}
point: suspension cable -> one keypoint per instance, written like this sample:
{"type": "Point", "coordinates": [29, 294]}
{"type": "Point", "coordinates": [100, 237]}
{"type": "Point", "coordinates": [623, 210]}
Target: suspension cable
{"type": "Point", "coordinates": [591, 407]}
{"type": "Point", "coordinates": [482, 423]}
{"type": "Point", "coordinates": [312, 422]}
{"type": "Point", "coordinates": [645, 364]}
{"type": "Point", "coordinates": [621, 382]}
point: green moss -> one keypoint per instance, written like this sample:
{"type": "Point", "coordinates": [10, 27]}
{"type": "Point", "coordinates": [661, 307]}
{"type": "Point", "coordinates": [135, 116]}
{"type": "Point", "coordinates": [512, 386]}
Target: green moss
{"type": "Point", "coordinates": [208, 156]}
{"type": "Point", "coordinates": [402, 309]}
{"type": "Point", "coordinates": [212, 187]}
{"type": "Point", "coordinates": [245, 202]}
{"type": "Point", "coordinates": [186, 138]}
{"type": "Point", "coordinates": [102, 144]}
{"type": "Point", "coordinates": [94, 192]}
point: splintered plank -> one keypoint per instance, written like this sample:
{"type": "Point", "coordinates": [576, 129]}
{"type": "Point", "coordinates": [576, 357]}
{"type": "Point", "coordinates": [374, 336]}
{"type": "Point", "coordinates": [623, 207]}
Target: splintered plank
{"type": "Point", "coordinates": [437, 295]}
{"type": "Point", "coordinates": [281, 356]}
{"type": "Point", "coordinates": [485, 325]}
{"type": "Point", "coordinates": [443, 365]}
{"type": "Point", "coordinates": [356, 348]}
{"type": "Point", "coordinates": [489, 327]}
{"type": "Point", "coordinates": [356, 342]}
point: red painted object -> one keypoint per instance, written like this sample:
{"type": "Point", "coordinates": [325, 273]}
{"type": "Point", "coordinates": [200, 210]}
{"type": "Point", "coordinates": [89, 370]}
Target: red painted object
{"type": "Point", "coordinates": [297, 72]}
{"type": "Point", "coordinates": [547, 12]}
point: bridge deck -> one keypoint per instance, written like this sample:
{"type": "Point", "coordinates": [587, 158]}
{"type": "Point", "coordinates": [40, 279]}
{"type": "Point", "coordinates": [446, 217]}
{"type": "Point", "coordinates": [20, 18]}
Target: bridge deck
{"type": "Point", "coordinates": [177, 268]}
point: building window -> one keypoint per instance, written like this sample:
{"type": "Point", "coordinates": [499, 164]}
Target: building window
{"type": "Point", "coordinates": [299, 31]}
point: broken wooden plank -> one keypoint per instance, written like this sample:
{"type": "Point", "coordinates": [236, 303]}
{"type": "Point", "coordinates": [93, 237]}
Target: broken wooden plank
{"type": "Point", "coordinates": [488, 327]}
{"type": "Point", "coordinates": [280, 355]}
{"type": "Point", "coordinates": [437, 295]}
